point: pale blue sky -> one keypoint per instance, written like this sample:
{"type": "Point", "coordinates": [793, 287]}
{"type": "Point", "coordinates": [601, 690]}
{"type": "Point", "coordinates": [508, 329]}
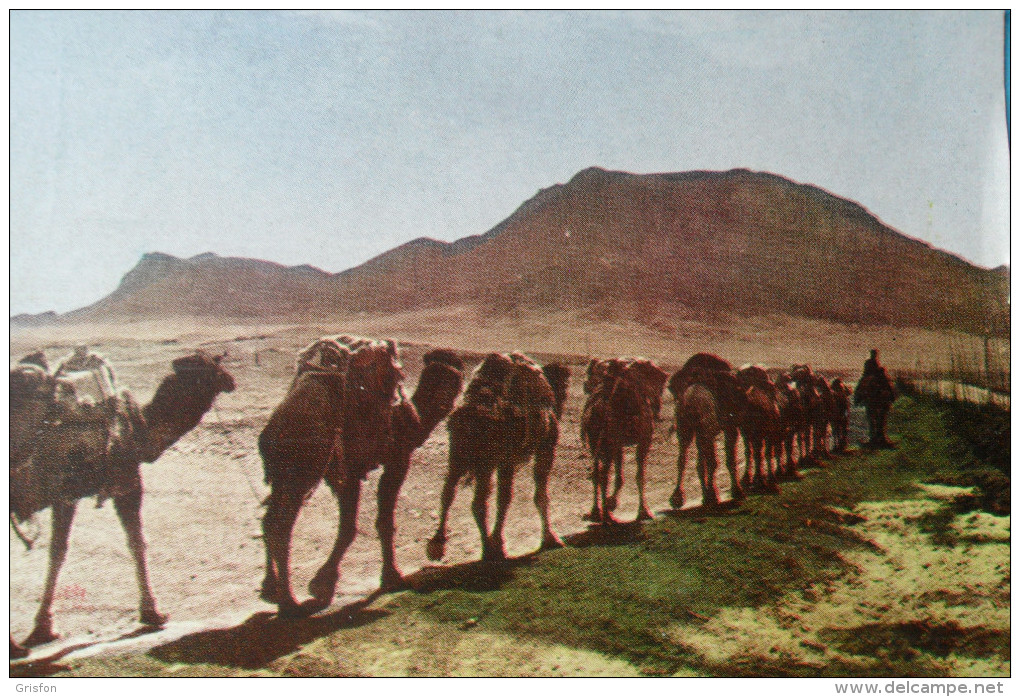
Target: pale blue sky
{"type": "Point", "coordinates": [329, 137]}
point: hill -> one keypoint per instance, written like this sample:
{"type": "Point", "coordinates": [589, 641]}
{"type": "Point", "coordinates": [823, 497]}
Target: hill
{"type": "Point", "coordinates": [613, 245]}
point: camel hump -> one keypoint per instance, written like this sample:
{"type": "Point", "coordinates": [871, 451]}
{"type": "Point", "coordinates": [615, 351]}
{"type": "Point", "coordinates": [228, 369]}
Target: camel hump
{"type": "Point", "coordinates": [512, 378]}
{"type": "Point", "coordinates": [444, 356]}
{"type": "Point", "coordinates": [700, 368]}
{"type": "Point", "coordinates": [333, 353]}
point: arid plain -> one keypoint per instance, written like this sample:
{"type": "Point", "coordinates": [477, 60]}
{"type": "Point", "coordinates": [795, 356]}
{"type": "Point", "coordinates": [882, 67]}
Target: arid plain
{"type": "Point", "coordinates": [202, 506]}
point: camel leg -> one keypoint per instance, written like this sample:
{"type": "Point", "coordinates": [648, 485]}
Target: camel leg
{"type": "Point", "coordinates": [595, 514]}
{"type": "Point", "coordinates": [323, 584]}
{"type": "Point", "coordinates": [63, 516]}
{"type": "Point", "coordinates": [707, 465]}
{"type": "Point", "coordinates": [480, 510]}
{"type": "Point", "coordinates": [676, 500]}
{"type": "Point", "coordinates": [730, 445]}
{"type": "Point", "coordinates": [607, 510]}
{"type": "Point", "coordinates": [389, 488]}
{"type": "Point", "coordinates": [282, 508]}
{"type": "Point", "coordinates": [618, 480]}
{"type": "Point", "coordinates": [791, 457]}
{"type": "Point", "coordinates": [543, 468]}
{"type": "Point", "coordinates": [436, 546]}
{"type": "Point", "coordinates": [642, 453]}
{"type": "Point", "coordinates": [751, 479]}
{"type": "Point", "coordinates": [17, 650]}
{"type": "Point", "coordinates": [504, 494]}
{"type": "Point", "coordinates": [129, 510]}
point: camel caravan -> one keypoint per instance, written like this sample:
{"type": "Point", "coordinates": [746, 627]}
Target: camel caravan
{"type": "Point", "coordinates": [75, 434]}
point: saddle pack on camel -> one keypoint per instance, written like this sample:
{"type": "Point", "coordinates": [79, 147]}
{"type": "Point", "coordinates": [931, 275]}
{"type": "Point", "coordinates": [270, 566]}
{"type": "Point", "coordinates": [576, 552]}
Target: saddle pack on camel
{"type": "Point", "coordinates": [508, 388]}
{"type": "Point", "coordinates": [336, 356]}
{"type": "Point", "coordinates": [85, 444]}
{"type": "Point", "coordinates": [505, 385]}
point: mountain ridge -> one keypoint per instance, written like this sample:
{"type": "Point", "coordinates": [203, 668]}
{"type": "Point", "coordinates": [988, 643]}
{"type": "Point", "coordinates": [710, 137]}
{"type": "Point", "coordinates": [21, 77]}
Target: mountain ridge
{"type": "Point", "coordinates": [619, 245]}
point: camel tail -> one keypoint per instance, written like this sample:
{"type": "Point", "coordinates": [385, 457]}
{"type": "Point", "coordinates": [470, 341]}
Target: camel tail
{"type": "Point", "coordinates": [25, 540]}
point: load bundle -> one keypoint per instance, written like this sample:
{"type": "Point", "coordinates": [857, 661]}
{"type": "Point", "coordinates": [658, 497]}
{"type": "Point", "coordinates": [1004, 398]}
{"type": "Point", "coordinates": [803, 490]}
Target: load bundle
{"type": "Point", "coordinates": [648, 377]}
{"type": "Point", "coordinates": [507, 390]}
{"type": "Point", "coordinates": [363, 377]}
{"type": "Point", "coordinates": [85, 436]}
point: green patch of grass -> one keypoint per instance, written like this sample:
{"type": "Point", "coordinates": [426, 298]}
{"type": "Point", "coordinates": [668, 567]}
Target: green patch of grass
{"type": "Point", "coordinates": [972, 442]}
{"type": "Point", "coordinates": [617, 593]}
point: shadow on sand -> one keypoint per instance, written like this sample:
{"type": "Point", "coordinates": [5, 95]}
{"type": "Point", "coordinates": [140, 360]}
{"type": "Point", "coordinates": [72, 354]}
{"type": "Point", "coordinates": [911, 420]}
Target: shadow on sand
{"type": "Point", "coordinates": [265, 637]}
{"type": "Point", "coordinates": [46, 666]}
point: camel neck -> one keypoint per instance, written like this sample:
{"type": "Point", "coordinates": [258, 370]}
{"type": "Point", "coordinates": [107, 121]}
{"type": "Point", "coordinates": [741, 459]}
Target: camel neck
{"type": "Point", "coordinates": [176, 408]}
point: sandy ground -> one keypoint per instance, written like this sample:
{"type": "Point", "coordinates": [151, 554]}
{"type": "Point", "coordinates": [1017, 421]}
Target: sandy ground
{"type": "Point", "coordinates": [202, 507]}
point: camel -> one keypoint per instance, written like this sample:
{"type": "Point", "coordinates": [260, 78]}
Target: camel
{"type": "Point", "coordinates": [839, 418]}
{"type": "Point", "coordinates": [823, 415]}
{"type": "Point", "coordinates": [644, 372]}
{"type": "Point", "coordinates": [793, 422]}
{"type": "Point", "coordinates": [760, 428]}
{"type": "Point", "coordinates": [344, 415]}
{"type": "Point", "coordinates": [82, 449]}
{"type": "Point", "coordinates": [509, 416]}
{"type": "Point", "coordinates": [619, 412]}
{"type": "Point", "coordinates": [708, 401]}
{"type": "Point", "coordinates": [875, 391]}
{"type": "Point", "coordinates": [814, 411]}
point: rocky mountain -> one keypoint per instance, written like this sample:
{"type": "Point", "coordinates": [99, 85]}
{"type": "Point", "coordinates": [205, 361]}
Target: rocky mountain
{"type": "Point", "coordinates": [615, 245]}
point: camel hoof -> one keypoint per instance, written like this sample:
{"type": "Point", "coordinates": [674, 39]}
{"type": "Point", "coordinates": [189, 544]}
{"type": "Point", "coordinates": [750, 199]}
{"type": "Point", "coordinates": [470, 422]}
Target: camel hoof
{"type": "Point", "coordinates": [322, 587]}
{"type": "Point", "coordinates": [392, 580]}
{"type": "Point", "coordinates": [592, 515]}
{"type": "Point", "coordinates": [643, 514]}
{"type": "Point", "coordinates": [269, 592]}
{"type": "Point", "coordinates": [17, 650]}
{"type": "Point", "coordinates": [39, 636]}
{"type": "Point", "coordinates": [435, 548]}
{"type": "Point", "coordinates": [551, 542]}
{"type": "Point", "coordinates": [493, 553]}
{"type": "Point", "coordinates": [295, 611]}
{"type": "Point", "coordinates": [676, 501]}
{"type": "Point", "coordinates": [151, 617]}
{"type": "Point", "coordinates": [611, 503]}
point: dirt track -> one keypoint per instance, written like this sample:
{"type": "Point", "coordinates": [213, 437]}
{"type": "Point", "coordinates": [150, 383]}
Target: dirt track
{"type": "Point", "coordinates": [202, 506]}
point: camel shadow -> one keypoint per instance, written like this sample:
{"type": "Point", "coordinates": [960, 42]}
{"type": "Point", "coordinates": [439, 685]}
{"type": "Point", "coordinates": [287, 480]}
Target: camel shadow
{"type": "Point", "coordinates": [264, 637]}
{"type": "Point", "coordinates": [728, 507]}
{"type": "Point", "coordinates": [49, 665]}
{"type": "Point", "coordinates": [612, 535]}
{"type": "Point", "coordinates": [475, 576]}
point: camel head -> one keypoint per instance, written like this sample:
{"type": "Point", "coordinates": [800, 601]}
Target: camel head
{"type": "Point", "coordinates": [840, 388]}
{"type": "Point", "coordinates": [440, 384]}
{"type": "Point", "coordinates": [802, 374]}
{"type": "Point", "coordinates": [206, 370]}
{"type": "Point", "coordinates": [558, 376]}
{"type": "Point", "coordinates": [595, 375]}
